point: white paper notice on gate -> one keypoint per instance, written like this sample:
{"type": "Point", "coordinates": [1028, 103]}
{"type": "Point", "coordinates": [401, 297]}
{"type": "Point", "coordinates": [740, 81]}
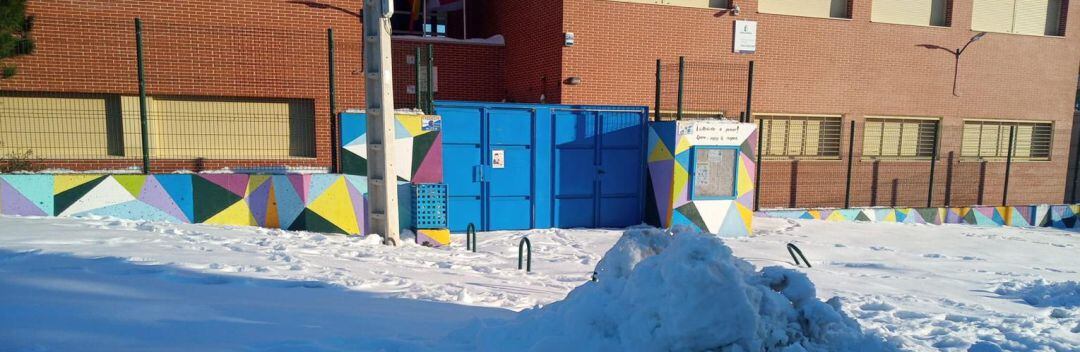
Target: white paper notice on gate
{"type": "Point", "coordinates": [498, 159]}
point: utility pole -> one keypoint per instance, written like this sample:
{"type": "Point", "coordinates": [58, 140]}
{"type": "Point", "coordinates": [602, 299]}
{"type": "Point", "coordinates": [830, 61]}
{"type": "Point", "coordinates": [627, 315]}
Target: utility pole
{"type": "Point", "coordinates": [379, 105]}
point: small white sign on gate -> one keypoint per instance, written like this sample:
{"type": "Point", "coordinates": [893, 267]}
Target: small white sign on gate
{"type": "Point", "coordinates": [498, 159]}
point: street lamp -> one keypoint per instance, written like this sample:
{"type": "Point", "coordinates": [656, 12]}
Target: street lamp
{"type": "Point", "coordinates": [956, 54]}
{"type": "Point", "coordinates": [379, 107]}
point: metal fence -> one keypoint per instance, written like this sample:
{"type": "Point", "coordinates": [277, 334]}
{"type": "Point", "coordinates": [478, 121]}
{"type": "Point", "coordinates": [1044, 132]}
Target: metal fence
{"type": "Point", "coordinates": [177, 97]}
{"type": "Point", "coordinates": [862, 176]}
{"type": "Point", "coordinates": [698, 89]}
{"type": "Point", "coordinates": [812, 161]}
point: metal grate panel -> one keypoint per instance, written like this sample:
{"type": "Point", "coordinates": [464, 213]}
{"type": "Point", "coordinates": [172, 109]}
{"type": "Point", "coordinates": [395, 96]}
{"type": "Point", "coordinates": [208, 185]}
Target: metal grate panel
{"type": "Point", "coordinates": [430, 206]}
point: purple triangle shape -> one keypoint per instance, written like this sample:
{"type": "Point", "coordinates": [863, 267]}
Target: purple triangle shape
{"type": "Point", "coordinates": [14, 203]}
{"type": "Point", "coordinates": [358, 205]}
{"type": "Point", "coordinates": [156, 196]}
{"type": "Point", "coordinates": [300, 184]}
{"type": "Point", "coordinates": [662, 173]}
{"type": "Point", "coordinates": [257, 202]}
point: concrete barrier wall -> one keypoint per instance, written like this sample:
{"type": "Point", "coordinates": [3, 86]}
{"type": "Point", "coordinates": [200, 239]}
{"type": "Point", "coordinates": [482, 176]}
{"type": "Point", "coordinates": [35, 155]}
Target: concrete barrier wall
{"type": "Point", "coordinates": [319, 202]}
{"type": "Point", "coordinates": [1044, 215]}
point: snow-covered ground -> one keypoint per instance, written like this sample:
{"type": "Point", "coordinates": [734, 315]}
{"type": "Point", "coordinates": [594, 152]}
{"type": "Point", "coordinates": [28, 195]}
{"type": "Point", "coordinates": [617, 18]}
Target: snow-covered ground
{"type": "Point", "coordinates": [108, 285]}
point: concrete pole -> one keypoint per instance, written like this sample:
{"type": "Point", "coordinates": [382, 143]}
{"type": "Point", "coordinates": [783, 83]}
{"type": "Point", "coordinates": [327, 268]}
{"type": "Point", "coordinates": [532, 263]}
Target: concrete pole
{"type": "Point", "coordinates": [379, 104]}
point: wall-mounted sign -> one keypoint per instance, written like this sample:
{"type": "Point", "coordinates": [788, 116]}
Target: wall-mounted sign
{"type": "Point", "coordinates": [498, 159]}
{"type": "Point", "coordinates": [745, 37]}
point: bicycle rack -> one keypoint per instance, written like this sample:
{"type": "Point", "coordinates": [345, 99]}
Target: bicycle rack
{"type": "Point", "coordinates": [470, 238]}
{"type": "Point", "coordinates": [525, 243]}
{"type": "Point", "coordinates": [792, 249]}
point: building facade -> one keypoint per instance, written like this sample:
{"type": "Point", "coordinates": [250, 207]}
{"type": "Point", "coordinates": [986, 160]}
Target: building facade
{"type": "Point", "coordinates": [885, 67]}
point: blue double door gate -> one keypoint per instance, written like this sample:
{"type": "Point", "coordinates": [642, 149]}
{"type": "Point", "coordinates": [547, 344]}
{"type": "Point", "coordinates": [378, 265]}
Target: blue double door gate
{"type": "Point", "coordinates": [522, 166]}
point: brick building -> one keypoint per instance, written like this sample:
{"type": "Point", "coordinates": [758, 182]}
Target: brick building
{"type": "Point", "coordinates": [820, 65]}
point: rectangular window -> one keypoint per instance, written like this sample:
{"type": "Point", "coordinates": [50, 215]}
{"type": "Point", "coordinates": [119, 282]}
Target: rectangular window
{"type": "Point", "coordinates": [69, 126]}
{"type": "Point", "coordinates": [913, 12]}
{"type": "Point", "coordinates": [989, 140]}
{"type": "Point", "coordinates": [899, 138]}
{"type": "Point", "coordinates": [714, 172]}
{"type": "Point", "coordinates": [1033, 17]}
{"type": "Point", "coordinates": [231, 128]}
{"type": "Point", "coordinates": [801, 136]}
{"type": "Point", "coordinates": [713, 4]}
{"type": "Point", "coordinates": [808, 8]}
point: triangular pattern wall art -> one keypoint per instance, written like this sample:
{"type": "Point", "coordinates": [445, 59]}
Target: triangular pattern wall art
{"type": "Point", "coordinates": [701, 174]}
{"type": "Point", "coordinates": [321, 202]}
{"type": "Point", "coordinates": [1058, 216]}
{"type": "Point", "coordinates": [417, 147]}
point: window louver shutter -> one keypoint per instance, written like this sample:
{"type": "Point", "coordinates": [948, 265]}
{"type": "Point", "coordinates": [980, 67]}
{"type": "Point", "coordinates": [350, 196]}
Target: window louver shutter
{"type": "Point", "coordinates": [1030, 17]}
{"type": "Point", "coordinates": [811, 8]}
{"type": "Point", "coordinates": [993, 16]}
{"type": "Point", "coordinates": [914, 12]}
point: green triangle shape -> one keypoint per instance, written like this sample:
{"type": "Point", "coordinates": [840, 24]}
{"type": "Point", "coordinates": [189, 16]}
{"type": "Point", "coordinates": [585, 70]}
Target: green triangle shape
{"type": "Point", "coordinates": [132, 183]}
{"type": "Point", "coordinates": [421, 146]}
{"type": "Point", "coordinates": [929, 215]}
{"type": "Point", "coordinates": [690, 212]}
{"type": "Point", "coordinates": [352, 164]}
{"type": "Point", "coordinates": [862, 217]}
{"type": "Point", "coordinates": [209, 198]}
{"type": "Point", "coordinates": [310, 221]}
{"type": "Point", "coordinates": [65, 199]}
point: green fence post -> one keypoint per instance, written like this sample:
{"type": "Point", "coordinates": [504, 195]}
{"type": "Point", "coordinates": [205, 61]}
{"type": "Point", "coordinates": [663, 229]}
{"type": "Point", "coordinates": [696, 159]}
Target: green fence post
{"type": "Point", "coordinates": [144, 124]}
{"type": "Point", "coordinates": [334, 140]}
{"type": "Point", "coordinates": [416, 86]}
{"type": "Point", "coordinates": [430, 80]}
{"type": "Point", "coordinates": [1008, 165]}
{"type": "Point", "coordinates": [679, 98]}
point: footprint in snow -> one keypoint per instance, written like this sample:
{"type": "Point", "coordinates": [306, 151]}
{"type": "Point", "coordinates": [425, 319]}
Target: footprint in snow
{"type": "Point", "coordinates": [877, 306]}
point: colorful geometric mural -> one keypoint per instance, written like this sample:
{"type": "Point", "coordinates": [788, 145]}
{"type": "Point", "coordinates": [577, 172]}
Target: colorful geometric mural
{"type": "Point", "coordinates": [1057, 216]}
{"type": "Point", "coordinates": [321, 202]}
{"type": "Point", "coordinates": [417, 147]}
{"type": "Point", "coordinates": [433, 237]}
{"type": "Point", "coordinates": [671, 175]}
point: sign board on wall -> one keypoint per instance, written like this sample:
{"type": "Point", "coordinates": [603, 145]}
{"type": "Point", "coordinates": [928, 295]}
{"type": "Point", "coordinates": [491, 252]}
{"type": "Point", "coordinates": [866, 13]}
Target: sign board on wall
{"type": "Point", "coordinates": [745, 37]}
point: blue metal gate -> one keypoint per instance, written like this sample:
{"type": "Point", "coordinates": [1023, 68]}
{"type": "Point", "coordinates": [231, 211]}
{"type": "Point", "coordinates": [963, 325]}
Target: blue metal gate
{"type": "Point", "coordinates": [521, 166]}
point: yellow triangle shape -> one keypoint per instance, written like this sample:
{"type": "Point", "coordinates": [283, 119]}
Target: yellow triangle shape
{"type": "Point", "coordinates": [335, 206]}
{"type": "Point", "coordinates": [272, 220]}
{"type": "Point", "coordinates": [747, 218]}
{"type": "Point", "coordinates": [683, 146]}
{"type": "Point", "coordinates": [411, 123]}
{"type": "Point", "coordinates": [236, 214]}
{"type": "Point", "coordinates": [62, 183]}
{"type": "Point", "coordinates": [660, 153]}
{"type": "Point", "coordinates": [680, 178]}
{"type": "Point", "coordinates": [745, 183]}
{"type": "Point", "coordinates": [132, 183]}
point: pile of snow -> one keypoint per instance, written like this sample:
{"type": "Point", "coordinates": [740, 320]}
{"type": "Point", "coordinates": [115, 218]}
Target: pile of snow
{"type": "Point", "coordinates": [679, 291]}
{"type": "Point", "coordinates": [1040, 293]}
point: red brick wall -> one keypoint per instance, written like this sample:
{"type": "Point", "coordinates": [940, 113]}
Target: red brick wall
{"type": "Point", "coordinates": [534, 39]}
{"type": "Point", "coordinates": [228, 48]}
{"type": "Point", "coordinates": [839, 66]}
{"type": "Point", "coordinates": [472, 72]}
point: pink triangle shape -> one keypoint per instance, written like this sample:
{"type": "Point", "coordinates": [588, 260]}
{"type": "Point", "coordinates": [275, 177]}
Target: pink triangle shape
{"type": "Point", "coordinates": [430, 170]}
{"type": "Point", "coordinates": [300, 184]}
{"type": "Point", "coordinates": [235, 183]}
